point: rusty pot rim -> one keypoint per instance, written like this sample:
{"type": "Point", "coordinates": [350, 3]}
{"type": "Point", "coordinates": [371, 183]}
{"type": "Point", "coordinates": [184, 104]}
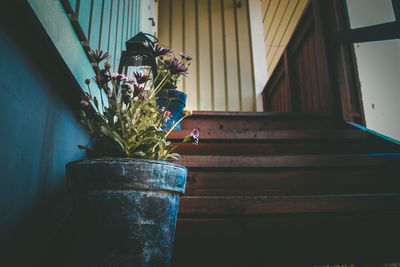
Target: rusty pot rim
{"type": "Point", "coordinates": [125, 160]}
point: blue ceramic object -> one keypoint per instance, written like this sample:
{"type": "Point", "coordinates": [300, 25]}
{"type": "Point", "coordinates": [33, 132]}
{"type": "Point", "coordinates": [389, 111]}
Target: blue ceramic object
{"type": "Point", "coordinates": [174, 101]}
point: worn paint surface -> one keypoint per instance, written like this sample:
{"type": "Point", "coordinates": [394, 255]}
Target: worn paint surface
{"type": "Point", "coordinates": [39, 134]}
{"type": "Point", "coordinates": [126, 210]}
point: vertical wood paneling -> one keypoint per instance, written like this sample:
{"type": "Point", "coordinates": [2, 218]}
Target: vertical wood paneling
{"type": "Point", "coordinates": [269, 16]}
{"type": "Point", "coordinates": [190, 44]}
{"type": "Point", "coordinates": [280, 18]}
{"type": "Point", "coordinates": [118, 36]}
{"type": "Point", "coordinates": [113, 31]}
{"type": "Point", "coordinates": [95, 24]}
{"type": "Point", "coordinates": [138, 16]}
{"type": "Point", "coordinates": [204, 56]}
{"type": "Point", "coordinates": [164, 26]}
{"type": "Point", "coordinates": [288, 33]}
{"type": "Point", "coordinates": [84, 16]}
{"type": "Point", "coordinates": [231, 58]}
{"type": "Point", "coordinates": [217, 34]}
{"type": "Point", "coordinates": [105, 29]}
{"type": "Point", "coordinates": [124, 23]}
{"type": "Point", "coordinates": [282, 29]}
{"type": "Point", "coordinates": [176, 31]}
{"type": "Point", "coordinates": [129, 20]}
{"type": "Point", "coordinates": [218, 57]}
{"type": "Point", "coordinates": [105, 24]}
{"type": "Point", "coordinates": [245, 58]}
{"type": "Point", "coordinates": [276, 22]}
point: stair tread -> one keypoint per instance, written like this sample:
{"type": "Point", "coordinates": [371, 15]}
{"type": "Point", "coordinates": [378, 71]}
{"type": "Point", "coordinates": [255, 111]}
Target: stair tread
{"type": "Point", "coordinates": [210, 134]}
{"type": "Point", "coordinates": [339, 160]}
{"type": "Point", "coordinates": [292, 181]}
{"type": "Point", "coordinates": [264, 205]}
{"type": "Point", "coordinates": [262, 114]}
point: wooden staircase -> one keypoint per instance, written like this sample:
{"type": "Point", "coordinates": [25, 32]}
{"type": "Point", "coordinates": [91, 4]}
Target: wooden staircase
{"type": "Point", "coordinates": [286, 189]}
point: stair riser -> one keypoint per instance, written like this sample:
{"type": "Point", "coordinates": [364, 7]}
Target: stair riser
{"type": "Point", "coordinates": [282, 148]}
{"type": "Point", "coordinates": [275, 182]}
{"type": "Point", "coordinates": [288, 205]}
{"type": "Point", "coordinates": [267, 241]}
{"type": "Point", "coordinates": [260, 123]}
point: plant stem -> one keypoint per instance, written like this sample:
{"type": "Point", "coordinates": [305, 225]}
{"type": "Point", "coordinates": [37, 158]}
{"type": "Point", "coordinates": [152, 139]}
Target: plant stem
{"type": "Point", "coordinates": [176, 123]}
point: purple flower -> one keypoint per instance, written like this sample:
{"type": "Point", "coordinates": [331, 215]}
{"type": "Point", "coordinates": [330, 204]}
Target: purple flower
{"type": "Point", "coordinates": [140, 77]}
{"type": "Point", "coordinates": [98, 55]}
{"type": "Point", "coordinates": [175, 67]}
{"type": "Point", "coordinates": [183, 56]}
{"type": "Point", "coordinates": [194, 136]}
{"type": "Point", "coordinates": [157, 50]}
{"type": "Point", "coordinates": [143, 96]}
{"type": "Point", "coordinates": [167, 114]}
{"type": "Point", "coordinates": [161, 110]}
{"type": "Point", "coordinates": [119, 77]}
{"type": "Point", "coordinates": [138, 87]}
{"type": "Point", "coordinates": [85, 100]}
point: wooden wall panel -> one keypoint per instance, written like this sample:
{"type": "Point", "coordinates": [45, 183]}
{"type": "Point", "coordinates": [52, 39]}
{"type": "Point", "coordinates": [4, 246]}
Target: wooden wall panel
{"type": "Point", "coordinates": [217, 34]}
{"type": "Point", "coordinates": [218, 63]}
{"type": "Point", "coordinates": [105, 29]}
{"type": "Point", "coordinates": [113, 31]}
{"type": "Point", "coordinates": [83, 16]}
{"type": "Point", "coordinates": [95, 24]}
{"type": "Point", "coordinates": [164, 24]}
{"type": "Point", "coordinates": [246, 72]}
{"type": "Point", "coordinates": [231, 57]}
{"type": "Point", "coordinates": [177, 30]}
{"type": "Point", "coordinates": [280, 18]}
{"type": "Point", "coordinates": [205, 100]}
{"type": "Point", "coordinates": [284, 23]}
{"type": "Point", "coordinates": [307, 79]}
{"type": "Point", "coordinates": [190, 48]}
{"type": "Point", "coordinates": [118, 34]}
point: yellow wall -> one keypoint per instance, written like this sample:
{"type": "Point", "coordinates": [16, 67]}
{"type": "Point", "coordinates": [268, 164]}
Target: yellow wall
{"type": "Point", "coordinates": [280, 18]}
{"type": "Point", "coordinates": [218, 36]}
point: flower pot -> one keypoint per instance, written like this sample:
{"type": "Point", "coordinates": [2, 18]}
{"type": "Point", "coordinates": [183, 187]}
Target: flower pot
{"type": "Point", "coordinates": [126, 210]}
{"type": "Point", "coordinates": [174, 101]}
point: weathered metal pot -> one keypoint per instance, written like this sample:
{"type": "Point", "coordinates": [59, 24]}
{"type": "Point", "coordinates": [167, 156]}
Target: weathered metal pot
{"type": "Point", "coordinates": [126, 210]}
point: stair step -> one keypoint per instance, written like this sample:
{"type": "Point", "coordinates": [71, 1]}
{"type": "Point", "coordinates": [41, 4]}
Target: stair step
{"type": "Point", "coordinates": [237, 135]}
{"type": "Point", "coordinates": [292, 181]}
{"type": "Point", "coordinates": [261, 121]}
{"type": "Point", "coordinates": [274, 205]}
{"type": "Point", "coordinates": [345, 160]}
{"type": "Point", "coordinates": [287, 147]}
{"type": "Point", "coordinates": [268, 240]}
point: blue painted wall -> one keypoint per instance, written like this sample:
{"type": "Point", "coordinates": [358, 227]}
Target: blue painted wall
{"type": "Point", "coordinates": [39, 135]}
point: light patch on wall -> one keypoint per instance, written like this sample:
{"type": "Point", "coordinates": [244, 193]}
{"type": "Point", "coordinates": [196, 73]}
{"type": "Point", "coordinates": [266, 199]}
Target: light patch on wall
{"type": "Point", "coordinates": [378, 67]}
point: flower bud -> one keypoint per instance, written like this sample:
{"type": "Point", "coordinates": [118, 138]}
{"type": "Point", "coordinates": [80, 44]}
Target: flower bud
{"type": "Point", "coordinates": [87, 81]}
{"type": "Point", "coordinates": [107, 65]}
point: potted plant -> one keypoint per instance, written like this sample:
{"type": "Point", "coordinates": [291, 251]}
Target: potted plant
{"type": "Point", "coordinates": [171, 68]}
{"type": "Point", "coordinates": [128, 191]}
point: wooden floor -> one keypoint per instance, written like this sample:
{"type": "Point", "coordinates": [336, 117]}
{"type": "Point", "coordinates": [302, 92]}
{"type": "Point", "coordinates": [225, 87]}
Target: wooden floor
{"type": "Point", "coordinates": [286, 189]}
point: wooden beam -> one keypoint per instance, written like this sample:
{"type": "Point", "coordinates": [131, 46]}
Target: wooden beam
{"type": "Point", "coordinates": [385, 31]}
